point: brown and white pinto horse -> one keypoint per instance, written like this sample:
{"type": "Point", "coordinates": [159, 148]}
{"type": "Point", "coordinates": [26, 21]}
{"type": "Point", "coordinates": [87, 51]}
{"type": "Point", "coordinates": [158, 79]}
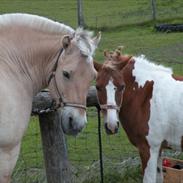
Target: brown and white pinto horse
{"type": "Point", "coordinates": [36, 53]}
{"type": "Point", "coordinates": [150, 102]}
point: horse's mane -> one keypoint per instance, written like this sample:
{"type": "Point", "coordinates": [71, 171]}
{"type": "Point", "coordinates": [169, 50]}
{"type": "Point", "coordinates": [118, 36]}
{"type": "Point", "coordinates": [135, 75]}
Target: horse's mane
{"type": "Point", "coordinates": [35, 22]}
{"type": "Point", "coordinates": [147, 65]}
{"type": "Point", "coordinates": [82, 37]}
{"type": "Point", "coordinates": [115, 58]}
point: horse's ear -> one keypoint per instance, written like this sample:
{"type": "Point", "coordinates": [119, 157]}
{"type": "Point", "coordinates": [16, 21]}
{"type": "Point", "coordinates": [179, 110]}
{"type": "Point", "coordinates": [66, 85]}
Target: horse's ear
{"type": "Point", "coordinates": [117, 55]}
{"type": "Point", "coordinates": [97, 66]}
{"type": "Point", "coordinates": [66, 41]}
{"type": "Point", "coordinates": [120, 48]}
{"type": "Point", "coordinates": [107, 54]}
{"type": "Point", "coordinates": [96, 39]}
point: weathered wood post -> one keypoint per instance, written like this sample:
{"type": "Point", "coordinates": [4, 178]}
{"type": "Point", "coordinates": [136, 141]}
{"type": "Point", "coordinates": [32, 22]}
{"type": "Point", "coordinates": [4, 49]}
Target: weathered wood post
{"type": "Point", "coordinates": [54, 146]}
{"type": "Point", "coordinates": [81, 22]}
{"type": "Point", "coordinates": [153, 5]}
{"type": "Point", "coordinates": [53, 140]}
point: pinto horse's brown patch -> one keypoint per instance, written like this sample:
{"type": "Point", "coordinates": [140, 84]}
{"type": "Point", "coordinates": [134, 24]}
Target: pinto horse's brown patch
{"type": "Point", "coordinates": [135, 112]}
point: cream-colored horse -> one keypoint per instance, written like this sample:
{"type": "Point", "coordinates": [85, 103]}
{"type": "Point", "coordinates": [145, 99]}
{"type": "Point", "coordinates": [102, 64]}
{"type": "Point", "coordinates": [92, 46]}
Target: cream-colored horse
{"type": "Point", "coordinates": [36, 52]}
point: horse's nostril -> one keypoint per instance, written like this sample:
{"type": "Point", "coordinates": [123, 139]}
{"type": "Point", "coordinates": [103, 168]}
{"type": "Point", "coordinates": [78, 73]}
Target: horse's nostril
{"type": "Point", "coordinates": [70, 122]}
{"type": "Point", "coordinates": [105, 126]}
{"type": "Point", "coordinates": [111, 131]}
{"type": "Point", "coordinates": [118, 124]}
{"type": "Point", "coordinates": [108, 131]}
{"type": "Point", "coordinates": [116, 130]}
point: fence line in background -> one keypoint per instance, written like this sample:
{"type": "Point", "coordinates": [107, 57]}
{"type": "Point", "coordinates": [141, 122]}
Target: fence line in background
{"type": "Point", "coordinates": [153, 10]}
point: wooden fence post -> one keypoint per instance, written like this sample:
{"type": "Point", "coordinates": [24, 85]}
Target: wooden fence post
{"type": "Point", "coordinates": [81, 22]}
{"type": "Point", "coordinates": [54, 148]}
{"type": "Point", "coordinates": [153, 5]}
{"type": "Point", "coordinates": [53, 140]}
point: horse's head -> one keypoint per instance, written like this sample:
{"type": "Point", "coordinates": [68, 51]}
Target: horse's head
{"type": "Point", "coordinates": [110, 87]}
{"type": "Point", "coordinates": [73, 74]}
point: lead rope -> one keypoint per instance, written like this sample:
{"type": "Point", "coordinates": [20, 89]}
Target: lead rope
{"type": "Point", "coordinates": [100, 146]}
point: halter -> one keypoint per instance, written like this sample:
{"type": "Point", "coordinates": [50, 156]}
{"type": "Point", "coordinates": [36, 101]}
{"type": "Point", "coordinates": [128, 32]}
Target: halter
{"type": "Point", "coordinates": [109, 106]}
{"type": "Point", "coordinates": [62, 103]}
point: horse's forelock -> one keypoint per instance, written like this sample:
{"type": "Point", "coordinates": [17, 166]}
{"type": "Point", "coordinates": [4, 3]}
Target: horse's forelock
{"type": "Point", "coordinates": [84, 41]}
{"type": "Point", "coordinates": [115, 64]}
{"type": "Point", "coordinates": [109, 65]}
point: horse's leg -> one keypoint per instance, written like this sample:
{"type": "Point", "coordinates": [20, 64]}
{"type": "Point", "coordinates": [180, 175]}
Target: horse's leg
{"type": "Point", "coordinates": [144, 155]}
{"type": "Point", "coordinates": [12, 128]}
{"type": "Point", "coordinates": [8, 158]}
{"type": "Point", "coordinates": [151, 169]}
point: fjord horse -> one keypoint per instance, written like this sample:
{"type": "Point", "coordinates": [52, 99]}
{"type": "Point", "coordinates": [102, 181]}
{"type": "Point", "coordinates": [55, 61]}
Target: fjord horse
{"type": "Point", "coordinates": [149, 101]}
{"type": "Point", "coordinates": [36, 53]}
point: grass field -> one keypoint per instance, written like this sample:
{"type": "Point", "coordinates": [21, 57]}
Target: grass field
{"type": "Point", "coordinates": [125, 23]}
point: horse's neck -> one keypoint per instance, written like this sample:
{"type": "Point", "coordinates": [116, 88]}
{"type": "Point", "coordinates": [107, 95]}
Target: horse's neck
{"type": "Point", "coordinates": [32, 59]}
{"type": "Point", "coordinates": [130, 86]}
{"type": "Point", "coordinates": [134, 92]}
{"type": "Point", "coordinates": [41, 62]}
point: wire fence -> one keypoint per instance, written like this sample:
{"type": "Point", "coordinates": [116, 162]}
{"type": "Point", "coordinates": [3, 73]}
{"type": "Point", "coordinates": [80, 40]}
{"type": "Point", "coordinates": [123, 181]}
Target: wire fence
{"type": "Point", "coordinates": [141, 13]}
{"type": "Point", "coordinates": [82, 151]}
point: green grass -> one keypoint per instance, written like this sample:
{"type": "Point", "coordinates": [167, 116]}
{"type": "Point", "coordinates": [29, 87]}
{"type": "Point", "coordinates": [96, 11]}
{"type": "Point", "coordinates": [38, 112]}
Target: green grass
{"type": "Point", "coordinates": [115, 147]}
{"type": "Point", "coordinates": [127, 23]}
{"type": "Point", "coordinates": [131, 174]}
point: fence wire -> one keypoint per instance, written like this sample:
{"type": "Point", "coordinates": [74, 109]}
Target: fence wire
{"type": "Point", "coordinates": [139, 14]}
{"type": "Point", "coordinates": [83, 153]}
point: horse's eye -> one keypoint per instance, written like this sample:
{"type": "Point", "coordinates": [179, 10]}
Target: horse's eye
{"type": "Point", "coordinates": [121, 88]}
{"type": "Point", "coordinates": [66, 74]}
{"type": "Point", "coordinates": [98, 88]}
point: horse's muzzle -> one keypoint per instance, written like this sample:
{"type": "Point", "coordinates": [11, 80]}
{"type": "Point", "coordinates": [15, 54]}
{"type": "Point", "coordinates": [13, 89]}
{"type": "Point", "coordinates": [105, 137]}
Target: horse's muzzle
{"type": "Point", "coordinates": [72, 122]}
{"type": "Point", "coordinates": [111, 131]}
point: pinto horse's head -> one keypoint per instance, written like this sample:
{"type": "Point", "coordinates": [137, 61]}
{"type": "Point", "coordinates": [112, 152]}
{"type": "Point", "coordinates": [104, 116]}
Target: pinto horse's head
{"type": "Point", "coordinates": [72, 77]}
{"type": "Point", "coordinates": [110, 87]}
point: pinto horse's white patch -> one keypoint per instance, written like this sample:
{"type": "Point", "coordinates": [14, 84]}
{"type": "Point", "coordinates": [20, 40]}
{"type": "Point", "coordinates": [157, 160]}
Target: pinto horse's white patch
{"type": "Point", "coordinates": [165, 122]}
{"type": "Point", "coordinates": [112, 117]}
{"type": "Point", "coordinates": [145, 70]}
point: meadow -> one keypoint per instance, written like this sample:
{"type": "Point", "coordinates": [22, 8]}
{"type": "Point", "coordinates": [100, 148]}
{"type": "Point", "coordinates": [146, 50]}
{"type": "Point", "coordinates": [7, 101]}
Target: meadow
{"type": "Point", "coordinates": [127, 23]}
